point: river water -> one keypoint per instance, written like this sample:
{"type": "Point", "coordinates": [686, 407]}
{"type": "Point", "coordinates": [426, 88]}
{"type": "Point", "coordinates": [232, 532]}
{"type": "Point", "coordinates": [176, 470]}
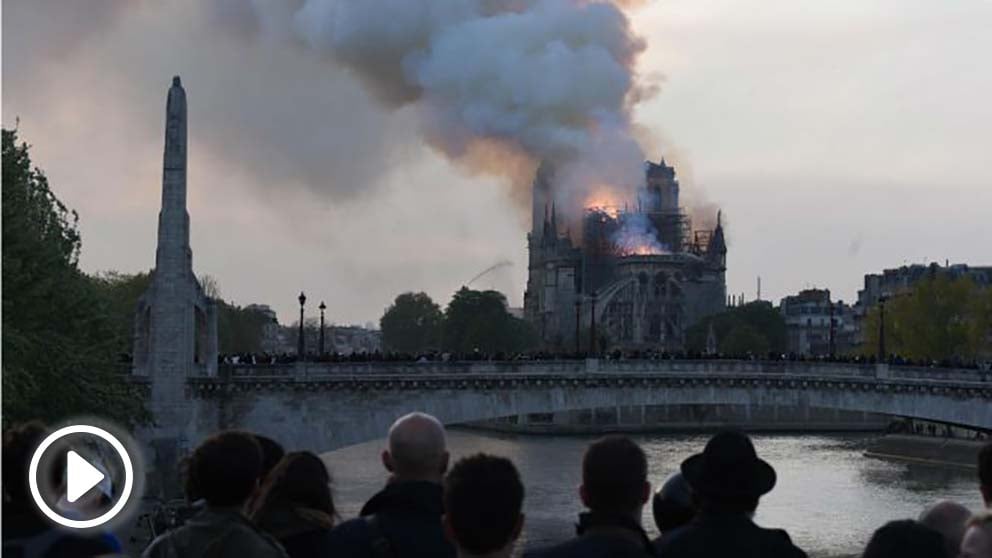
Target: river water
{"type": "Point", "coordinates": [829, 497]}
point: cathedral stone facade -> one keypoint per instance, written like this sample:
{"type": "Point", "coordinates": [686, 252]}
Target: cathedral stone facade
{"type": "Point", "coordinates": [636, 279]}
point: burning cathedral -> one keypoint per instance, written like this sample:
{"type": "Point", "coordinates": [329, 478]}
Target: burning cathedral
{"type": "Point", "coordinates": [638, 277]}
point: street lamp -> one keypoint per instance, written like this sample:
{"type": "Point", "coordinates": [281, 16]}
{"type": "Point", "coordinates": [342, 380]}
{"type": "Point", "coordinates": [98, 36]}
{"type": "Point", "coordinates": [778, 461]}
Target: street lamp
{"type": "Point", "coordinates": [881, 329]}
{"type": "Point", "coordinates": [833, 330]}
{"type": "Point", "coordinates": [322, 308]}
{"type": "Point", "coordinates": [592, 327]}
{"type": "Point", "coordinates": [300, 346]}
{"type": "Point", "coordinates": [578, 310]}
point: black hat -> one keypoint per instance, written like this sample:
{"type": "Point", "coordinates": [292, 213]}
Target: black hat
{"type": "Point", "coordinates": [729, 466]}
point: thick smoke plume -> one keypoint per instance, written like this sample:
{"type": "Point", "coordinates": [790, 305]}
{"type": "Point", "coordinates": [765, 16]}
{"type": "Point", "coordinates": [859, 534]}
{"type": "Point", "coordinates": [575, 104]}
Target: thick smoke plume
{"type": "Point", "coordinates": [637, 236]}
{"type": "Point", "coordinates": [498, 85]}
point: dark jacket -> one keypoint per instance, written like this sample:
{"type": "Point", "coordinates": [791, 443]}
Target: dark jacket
{"type": "Point", "coordinates": [303, 532]}
{"type": "Point", "coordinates": [721, 535]}
{"type": "Point", "coordinates": [601, 536]}
{"type": "Point", "coordinates": [403, 521]}
{"type": "Point", "coordinates": [667, 536]}
{"type": "Point", "coordinates": [215, 533]}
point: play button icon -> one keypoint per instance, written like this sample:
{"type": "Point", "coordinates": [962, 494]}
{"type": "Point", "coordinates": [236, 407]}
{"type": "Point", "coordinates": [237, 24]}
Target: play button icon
{"type": "Point", "coordinates": [88, 494]}
{"type": "Point", "coordinates": [80, 476]}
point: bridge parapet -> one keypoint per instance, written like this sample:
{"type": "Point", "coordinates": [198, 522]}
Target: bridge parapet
{"type": "Point", "coordinates": [316, 370]}
{"type": "Point", "coordinates": [330, 405]}
{"type": "Point", "coordinates": [472, 377]}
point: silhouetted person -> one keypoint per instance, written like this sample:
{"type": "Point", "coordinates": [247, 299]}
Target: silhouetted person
{"type": "Point", "coordinates": [224, 471]}
{"type": "Point", "coordinates": [295, 505]}
{"type": "Point", "coordinates": [483, 501]}
{"type": "Point", "coordinates": [26, 533]}
{"type": "Point", "coordinates": [905, 539]}
{"type": "Point", "coordinates": [949, 519]}
{"type": "Point", "coordinates": [615, 489]}
{"type": "Point", "coordinates": [272, 453]}
{"type": "Point", "coordinates": [404, 519]}
{"type": "Point", "coordinates": [673, 507]}
{"type": "Point", "coordinates": [977, 540]}
{"type": "Point", "coordinates": [985, 473]}
{"type": "Point", "coordinates": [727, 480]}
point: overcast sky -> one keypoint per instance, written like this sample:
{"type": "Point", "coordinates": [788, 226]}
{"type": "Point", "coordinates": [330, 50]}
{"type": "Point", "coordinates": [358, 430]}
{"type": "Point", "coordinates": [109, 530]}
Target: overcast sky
{"type": "Point", "coordinates": [840, 138]}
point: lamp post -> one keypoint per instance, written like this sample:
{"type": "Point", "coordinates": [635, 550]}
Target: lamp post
{"type": "Point", "coordinates": [578, 310]}
{"type": "Point", "coordinates": [592, 327]}
{"type": "Point", "coordinates": [881, 329]}
{"type": "Point", "coordinates": [322, 308]}
{"type": "Point", "coordinates": [300, 346]}
{"type": "Point", "coordinates": [833, 330]}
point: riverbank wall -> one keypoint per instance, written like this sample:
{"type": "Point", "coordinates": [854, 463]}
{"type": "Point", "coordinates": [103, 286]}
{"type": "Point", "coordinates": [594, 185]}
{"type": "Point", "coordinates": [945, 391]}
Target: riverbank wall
{"type": "Point", "coordinates": [687, 418]}
{"type": "Point", "coordinates": [928, 450]}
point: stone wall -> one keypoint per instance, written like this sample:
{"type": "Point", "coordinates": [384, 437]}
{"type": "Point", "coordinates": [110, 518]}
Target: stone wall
{"type": "Point", "coordinates": [689, 418]}
{"type": "Point", "coordinates": [335, 409]}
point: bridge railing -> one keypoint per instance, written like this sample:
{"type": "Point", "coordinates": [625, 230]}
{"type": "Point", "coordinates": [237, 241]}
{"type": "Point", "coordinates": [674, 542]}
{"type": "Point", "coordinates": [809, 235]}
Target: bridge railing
{"type": "Point", "coordinates": [928, 373]}
{"type": "Point", "coordinates": [316, 370]}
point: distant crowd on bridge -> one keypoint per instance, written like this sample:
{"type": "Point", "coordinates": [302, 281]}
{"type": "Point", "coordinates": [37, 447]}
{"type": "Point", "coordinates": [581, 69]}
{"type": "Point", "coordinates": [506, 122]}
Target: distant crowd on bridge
{"type": "Point", "coordinates": [480, 356]}
{"type": "Point", "coordinates": [248, 498]}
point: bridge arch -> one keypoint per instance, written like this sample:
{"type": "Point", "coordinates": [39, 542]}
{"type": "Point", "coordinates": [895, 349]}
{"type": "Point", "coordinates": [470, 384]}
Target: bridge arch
{"type": "Point", "coordinates": [327, 407]}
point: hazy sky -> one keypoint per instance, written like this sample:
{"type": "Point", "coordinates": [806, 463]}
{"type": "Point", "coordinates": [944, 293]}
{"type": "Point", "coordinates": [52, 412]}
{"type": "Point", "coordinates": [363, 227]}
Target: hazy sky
{"type": "Point", "coordinates": [839, 137]}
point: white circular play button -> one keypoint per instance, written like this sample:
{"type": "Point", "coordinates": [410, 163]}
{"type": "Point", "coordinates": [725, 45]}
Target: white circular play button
{"type": "Point", "coordinates": [80, 476]}
{"type": "Point", "coordinates": [84, 479]}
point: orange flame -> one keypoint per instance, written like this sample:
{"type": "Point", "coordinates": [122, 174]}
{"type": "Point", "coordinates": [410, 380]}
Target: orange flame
{"type": "Point", "coordinates": [603, 198]}
{"type": "Point", "coordinates": [642, 250]}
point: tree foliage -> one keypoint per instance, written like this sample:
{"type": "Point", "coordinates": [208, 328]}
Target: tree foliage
{"type": "Point", "coordinates": [59, 340]}
{"type": "Point", "coordinates": [939, 318]}
{"type": "Point", "coordinates": [210, 286]}
{"type": "Point", "coordinates": [240, 330]}
{"type": "Point", "coordinates": [755, 328]}
{"type": "Point", "coordinates": [473, 321]}
{"type": "Point", "coordinates": [479, 320]}
{"type": "Point", "coordinates": [412, 324]}
{"type": "Point", "coordinates": [122, 291]}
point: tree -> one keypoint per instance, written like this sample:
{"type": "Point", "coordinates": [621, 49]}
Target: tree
{"type": "Point", "coordinates": [240, 330]}
{"type": "Point", "coordinates": [479, 320]}
{"type": "Point", "coordinates": [121, 292]}
{"type": "Point", "coordinates": [980, 334]}
{"type": "Point", "coordinates": [210, 286]}
{"type": "Point", "coordinates": [755, 328]}
{"type": "Point", "coordinates": [743, 338]}
{"type": "Point", "coordinates": [412, 324]}
{"type": "Point", "coordinates": [59, 340]}
{"type": "Point", "coordinates": [939, 318]}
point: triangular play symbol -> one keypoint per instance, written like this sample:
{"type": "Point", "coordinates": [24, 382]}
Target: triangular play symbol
{"type": "Point", "coordinates": [80, 476]}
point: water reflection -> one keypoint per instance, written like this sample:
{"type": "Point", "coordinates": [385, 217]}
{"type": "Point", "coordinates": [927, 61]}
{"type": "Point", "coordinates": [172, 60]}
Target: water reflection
{"type": "Point", "coordinates": [829, 497]}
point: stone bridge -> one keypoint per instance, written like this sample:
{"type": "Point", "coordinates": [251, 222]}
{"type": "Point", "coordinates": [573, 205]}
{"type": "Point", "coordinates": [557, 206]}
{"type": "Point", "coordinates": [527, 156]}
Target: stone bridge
{"type": "Point", "coordinates": [324, 406]}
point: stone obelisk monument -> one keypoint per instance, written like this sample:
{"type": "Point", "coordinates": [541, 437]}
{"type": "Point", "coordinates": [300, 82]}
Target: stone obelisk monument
{"type": "Point", "coordinates": [175, 322]}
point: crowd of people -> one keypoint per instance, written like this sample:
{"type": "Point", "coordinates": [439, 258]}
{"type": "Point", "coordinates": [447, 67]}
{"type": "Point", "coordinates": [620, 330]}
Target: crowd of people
{"type": "Point", "coordinates": [476, 356]}
{"type": "Point", "coordinates": [253, 500]}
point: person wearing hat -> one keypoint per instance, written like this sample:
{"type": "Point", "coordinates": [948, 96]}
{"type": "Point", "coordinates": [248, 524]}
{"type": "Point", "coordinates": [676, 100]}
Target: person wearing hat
{"type": "Point", "coordinates": [673, 507]}
{"type": "Point", "coordinates": [727, 480]}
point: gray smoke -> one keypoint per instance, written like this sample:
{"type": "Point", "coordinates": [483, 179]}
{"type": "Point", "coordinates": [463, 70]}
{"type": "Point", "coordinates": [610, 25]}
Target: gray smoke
{"type": "Point", "coordinates": [261, 102]}
{"type": "Point", "coordinates": [497, 85]}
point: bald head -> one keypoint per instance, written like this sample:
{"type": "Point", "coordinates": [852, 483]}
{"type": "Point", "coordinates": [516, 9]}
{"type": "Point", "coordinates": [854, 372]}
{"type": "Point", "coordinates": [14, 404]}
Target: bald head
{"type": "Point", "coordinates": [950, 520]}
{"type": "Point", "coordinates": [417, 449]}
